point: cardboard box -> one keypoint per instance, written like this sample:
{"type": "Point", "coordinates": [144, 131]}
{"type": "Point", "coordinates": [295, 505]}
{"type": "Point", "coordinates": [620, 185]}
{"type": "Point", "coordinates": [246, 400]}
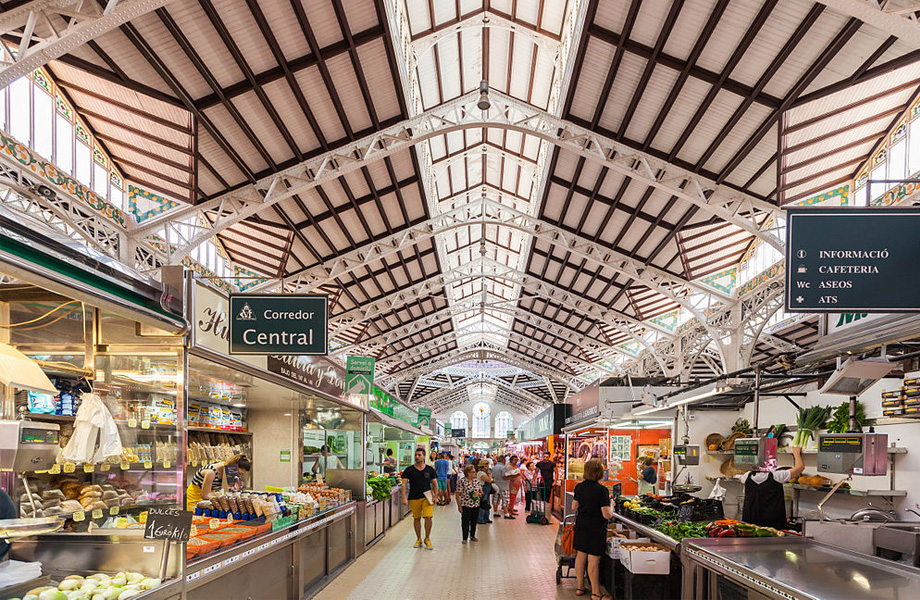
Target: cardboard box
{"type": "Point", "coordinates": [613, 545]}
{"type": "Point", "coordinates": [645, 562]}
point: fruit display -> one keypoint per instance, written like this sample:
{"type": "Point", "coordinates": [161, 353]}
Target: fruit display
{"type": "Point", "coordinates": [98, 586]}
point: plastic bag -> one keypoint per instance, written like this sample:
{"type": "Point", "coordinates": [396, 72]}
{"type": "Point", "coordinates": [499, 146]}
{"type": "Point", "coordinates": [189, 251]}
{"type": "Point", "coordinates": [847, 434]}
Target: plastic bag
{"type": "Point", "coordinates": [718, 492]}
{"type": "Point", "coordinates": [93, 423]}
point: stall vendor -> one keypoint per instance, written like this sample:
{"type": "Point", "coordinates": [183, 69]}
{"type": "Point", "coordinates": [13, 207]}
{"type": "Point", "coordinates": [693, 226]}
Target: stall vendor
{"type": "Point", "coordinates": [764, 500]}
{"type": "Point", "coordinates": [210, 478]}
{"type": "Point", "coordinates": [648, 477]}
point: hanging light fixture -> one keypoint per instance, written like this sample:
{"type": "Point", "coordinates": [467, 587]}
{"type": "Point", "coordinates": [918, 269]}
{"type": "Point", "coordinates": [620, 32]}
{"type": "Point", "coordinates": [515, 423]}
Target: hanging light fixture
{"type": "Point", "coordinates": [484, 103]}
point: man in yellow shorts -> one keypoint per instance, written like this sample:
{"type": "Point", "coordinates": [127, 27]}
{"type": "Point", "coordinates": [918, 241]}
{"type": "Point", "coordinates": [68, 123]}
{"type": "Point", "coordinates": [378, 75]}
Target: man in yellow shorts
{"type": "Point", "coordinates": [420, 478]}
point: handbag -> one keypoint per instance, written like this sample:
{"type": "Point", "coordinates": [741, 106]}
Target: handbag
{"type": "Point", "coordinates": [486, 490]}
{"type": "Point", "coordinates": [568, 539]}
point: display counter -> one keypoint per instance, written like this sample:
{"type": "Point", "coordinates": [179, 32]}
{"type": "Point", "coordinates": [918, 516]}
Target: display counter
{"type": "Point", "coordinates": [648, 532]}
{"type": "Point", "coordinates": [287, 563]}
{"type": "Point", "coordinates": [789, 567]}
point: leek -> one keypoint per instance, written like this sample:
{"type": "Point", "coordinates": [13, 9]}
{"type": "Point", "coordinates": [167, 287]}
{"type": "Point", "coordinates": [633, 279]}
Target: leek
{"type": "Point", "coordinates": [809, 421]}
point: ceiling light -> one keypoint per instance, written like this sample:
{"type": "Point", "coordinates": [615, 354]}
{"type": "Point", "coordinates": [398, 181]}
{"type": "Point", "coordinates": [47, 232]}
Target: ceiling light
{"type": "Point", "coordinates": [238, 405]}
{"type": "Point", "coordinates": [484, 103]}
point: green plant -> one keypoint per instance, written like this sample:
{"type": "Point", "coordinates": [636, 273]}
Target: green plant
{"type": "Point", "coordinates": [840, 420]}
{"type": "Point", "coordinates": [742, 426]}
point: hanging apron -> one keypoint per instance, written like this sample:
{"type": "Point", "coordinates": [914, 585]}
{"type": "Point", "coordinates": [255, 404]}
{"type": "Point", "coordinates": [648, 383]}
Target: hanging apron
{"type": "Point", "coordinates": [764, 503]}
{"type": "Point", "coordinates": [646, 487]}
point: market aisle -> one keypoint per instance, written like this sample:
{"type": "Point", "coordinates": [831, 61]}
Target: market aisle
{"type": "Point", "coordinates": [513, 559]}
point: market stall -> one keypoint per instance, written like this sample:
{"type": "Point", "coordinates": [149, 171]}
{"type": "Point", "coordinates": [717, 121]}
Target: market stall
{"type": "Point", "coordinates": [83, 337]}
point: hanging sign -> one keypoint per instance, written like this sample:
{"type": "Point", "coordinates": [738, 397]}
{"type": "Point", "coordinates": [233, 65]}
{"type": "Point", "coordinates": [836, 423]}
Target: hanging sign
{"type": "Point", "coordinates": [424, 417]}
{"type": "Point", "coordinates": [278, 324]}
{"type": "Point", "coordinates": [359, 375]}
{"type": "Point", "coordinates": [853, 260]}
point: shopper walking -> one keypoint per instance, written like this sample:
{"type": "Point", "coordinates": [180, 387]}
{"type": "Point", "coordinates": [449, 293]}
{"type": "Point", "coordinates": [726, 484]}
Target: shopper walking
{"type": "Point", "coordinates": [484, 475]}
{"type": "Point", "coordinates": [529, 473]}
{"type": "Point", "coordinates": [442, 468]}
{"type": "Point", "coordinates": [513, 486]}
{"type": "Point", "coordinates": [452, 473]}
{"type": "Point", "coordinates": [592, 509]}
{"type": "Point", "coordinates": [421, 478]}
{"type": "Point", "coordinates": [499, 485]}
{"type": "Point", "coordinates": [547, 470]}
{"type": "Point", "coordinates": [469, 493]}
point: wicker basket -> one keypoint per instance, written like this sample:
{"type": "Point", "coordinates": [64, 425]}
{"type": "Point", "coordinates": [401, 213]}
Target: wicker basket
{"type": "Point", "coordinates": [729, 444]}
{"type": "Point", "coordinates": [714, 439]}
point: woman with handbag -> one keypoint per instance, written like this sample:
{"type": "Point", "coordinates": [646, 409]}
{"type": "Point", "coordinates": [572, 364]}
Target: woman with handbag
{"type": "Point", "coordinates": [592, 508]}
{"type": "Point", "coordinates": [485, 477]}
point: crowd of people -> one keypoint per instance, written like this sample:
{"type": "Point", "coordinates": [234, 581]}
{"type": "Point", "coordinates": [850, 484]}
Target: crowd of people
{"type": "Point", "coordinates": [484, 486]}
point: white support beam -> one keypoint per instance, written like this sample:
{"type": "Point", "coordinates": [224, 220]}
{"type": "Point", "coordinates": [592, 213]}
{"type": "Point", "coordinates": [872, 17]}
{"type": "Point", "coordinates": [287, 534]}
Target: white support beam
{"type": "Point", "coordinates": [65, 25]}
{"type": "Point", "coordinates": [875, 13]}
{"type": "Point", "coordinates": [187, 227]}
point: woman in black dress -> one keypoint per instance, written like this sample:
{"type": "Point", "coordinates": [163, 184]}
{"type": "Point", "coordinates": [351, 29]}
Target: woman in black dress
{"type": "Point", "coordinates": [592, 511]}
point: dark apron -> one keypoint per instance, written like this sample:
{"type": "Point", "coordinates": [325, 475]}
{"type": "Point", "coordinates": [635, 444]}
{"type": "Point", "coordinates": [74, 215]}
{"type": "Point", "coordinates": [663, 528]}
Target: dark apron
{"type": "Point", "coordinates": [764, 503]}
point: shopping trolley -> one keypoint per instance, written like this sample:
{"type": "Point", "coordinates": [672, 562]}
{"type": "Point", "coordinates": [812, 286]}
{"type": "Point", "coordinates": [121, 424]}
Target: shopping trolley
{"type": "Point", "coordinates": [563, 560]}
{"type": "Point", "coordinates": [537, 505]}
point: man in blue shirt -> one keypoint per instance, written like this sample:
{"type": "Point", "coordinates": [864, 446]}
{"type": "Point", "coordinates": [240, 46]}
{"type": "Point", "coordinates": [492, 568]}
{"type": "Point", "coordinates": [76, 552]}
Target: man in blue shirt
{"type": "Point", "coordinates": [442, 467]}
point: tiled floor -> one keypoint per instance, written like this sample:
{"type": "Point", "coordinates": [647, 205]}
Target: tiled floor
{"type": "Point", "coordinates": [513, 559]}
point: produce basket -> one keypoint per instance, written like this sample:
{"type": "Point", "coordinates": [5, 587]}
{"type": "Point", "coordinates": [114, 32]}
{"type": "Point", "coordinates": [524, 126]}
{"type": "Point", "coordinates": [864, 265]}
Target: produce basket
{"type": "Point", "coordinates": [714, 439]}
{"type": "Point", "coordinates": [729, 444]}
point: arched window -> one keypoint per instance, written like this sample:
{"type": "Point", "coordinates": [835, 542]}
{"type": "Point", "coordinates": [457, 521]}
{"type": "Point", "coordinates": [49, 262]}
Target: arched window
{"type": "Point", "coordinates": [504, 423]}
{"type": "Point", "coordinates": [459, 420]}
{"type": "Point", "coordinates": [482, 414]}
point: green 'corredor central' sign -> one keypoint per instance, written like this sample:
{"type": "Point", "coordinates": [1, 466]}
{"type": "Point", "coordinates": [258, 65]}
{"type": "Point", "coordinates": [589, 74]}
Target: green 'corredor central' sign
{"type": "Point", "coordinates": [279, 324]}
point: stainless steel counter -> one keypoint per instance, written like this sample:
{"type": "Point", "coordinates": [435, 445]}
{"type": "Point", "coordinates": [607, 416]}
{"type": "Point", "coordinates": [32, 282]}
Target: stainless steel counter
{"type": "Point", "coordinates": [791, 567]}
{"type": "Point", "coordinates": [652, 534]}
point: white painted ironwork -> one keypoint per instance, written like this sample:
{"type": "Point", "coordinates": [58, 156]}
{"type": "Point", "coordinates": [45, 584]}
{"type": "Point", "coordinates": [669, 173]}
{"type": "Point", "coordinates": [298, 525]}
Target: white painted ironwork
{"type": "Point", "coordinates": [896, 19]}
{"type": "Point", "coordinates": [747, 212]}
{"type": "Point", "coordinates": [65, 25]}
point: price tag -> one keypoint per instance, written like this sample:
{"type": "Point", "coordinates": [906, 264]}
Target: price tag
{"type": "Point", "coordinates": [89, 468]}
{"type": "Point", "coordinates": [148, 464]}
{"type": "Point", "coordinates": [142, 518]}
{"type": "Point", "coordinates": [166, 464]}
{"type": "Point", "coordinates": [132, 422]}
{"type": "Point", "coordinates": [194, 463]}
{"type": "Point", "coordinates": [125, 466]}
{"type": "Point", "coordinates": [55, 469]}
{"type": "Point", "coordinates": [79, 516]}
{"type": "Point", "coordinates": [229, 518]}
{"type": "Point", "coordinates": [214, 523]}
{"type": "Point", "coordinates": [105, 466]}
{"type": "Point", "coordinates": [113, 510]}
{"type": "Point", "coordinates": [145, 424]}
{"type": "Point", "coordinates": [69, 467]}
{"type": "Point", "coordinates": [121, 523]}
{"type": "Point", "coordinates": [193, 531]}
{"type": "Point", "coordinates": [97, 513]}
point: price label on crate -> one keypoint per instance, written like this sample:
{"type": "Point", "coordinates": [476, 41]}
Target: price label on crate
{"type": "Point", "coordinates": [55, 469]}
{"type": "Point", "coordinates": [105, 466]}
{"type": "Point", "coordinates": [113, 510]}
{"type": "Point", "coordinates": [230, 518]}
{"type": "Point", "coordinates": [121, 523]}
{"type": "Point", "coordinates": [69, 467]}
{"type": "Point", "coordinates": [142, 518]}
{"type": "Point", "coordinates": [193, 532]}
{"type": "Point", "coordinates": [214, 523]}
{"type": "Point", "coordinates": [685, 512]}
{"type": "Point", "coordinates": [145, 424]}
{"type": "Point", "coordinates": [79, 516]}
{"type": "Point", "coordinates": [148, 464]}
{"type": "Point", "coordinates": [89, 468]}
{"type": "Point", "coordinates": [658, 523]}
{"type": "Point", "coordinates": [97, 513]}
{"type": "Point", "coordinates": [125, 466]}
{"type": "Point", "coordinates": [167, 464]}
{"type": "Point", "coordinates": [132, 422]}
{"type": "Point", "coordinates": [194, 463]}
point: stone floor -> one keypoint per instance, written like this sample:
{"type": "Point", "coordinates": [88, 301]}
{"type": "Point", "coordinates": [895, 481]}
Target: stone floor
{"type": "Point", "coordinates": [513, 559]}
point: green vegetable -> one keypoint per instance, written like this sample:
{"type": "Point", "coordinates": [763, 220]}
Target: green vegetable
{"type": "Point", "coordinates": [809, 421]}
{"type": "Point", "coordinates": [381, 487]}
{"type": "Point", "coordinates": [840, 421]}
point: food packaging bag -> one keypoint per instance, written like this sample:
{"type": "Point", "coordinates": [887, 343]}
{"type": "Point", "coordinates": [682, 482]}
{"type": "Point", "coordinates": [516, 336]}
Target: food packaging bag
{"type": "Point", "coordinates": [718, 492]}
{"type": "Point", "coordinates": [93, 422]}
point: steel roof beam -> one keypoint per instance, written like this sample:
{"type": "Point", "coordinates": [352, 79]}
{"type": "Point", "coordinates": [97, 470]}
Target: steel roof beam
{"type": "Point", "coordinates": [745, 211]}
{"type": "Point", "coordinates": [71, 23]}
{"type": "Point", "coordinates": [874, 13]}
